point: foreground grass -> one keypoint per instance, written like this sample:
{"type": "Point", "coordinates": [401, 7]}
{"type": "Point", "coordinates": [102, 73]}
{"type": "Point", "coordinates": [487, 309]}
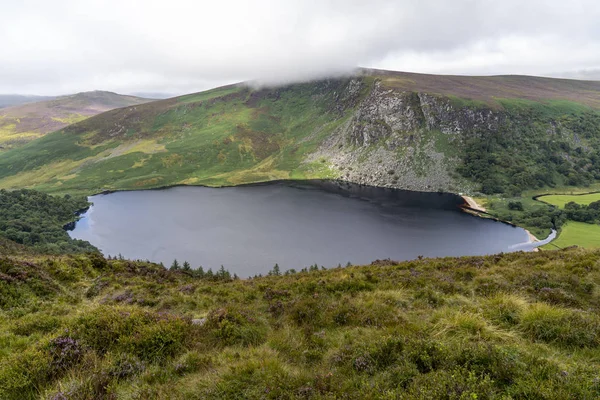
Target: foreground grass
{"type": "Point", "coordinates": [506, 326]}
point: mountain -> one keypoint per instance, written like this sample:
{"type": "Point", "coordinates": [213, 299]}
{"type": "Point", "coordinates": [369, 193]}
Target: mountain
{"type": "Point", "coordinates": [7, 100]}
{"type": "Point", "coordinates": [497, 134]}
{"type": "Point", "coordinates": [20, 124]}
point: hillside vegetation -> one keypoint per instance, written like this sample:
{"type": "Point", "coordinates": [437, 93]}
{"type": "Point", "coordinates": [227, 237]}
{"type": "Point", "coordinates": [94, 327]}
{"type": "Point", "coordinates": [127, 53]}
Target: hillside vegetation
{"type": "Point", "coordinates": [500, 134]}
{"type": "Point", "coordinates": [20, 124]}
{"type": "Point", "coordinates": [506, 326]}
{"type": "Point", "coordinates": [79, 326]}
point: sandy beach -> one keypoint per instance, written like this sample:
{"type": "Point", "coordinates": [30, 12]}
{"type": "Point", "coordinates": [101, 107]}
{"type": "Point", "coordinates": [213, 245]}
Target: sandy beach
{"type": "Point", "coordinates": [473, 204]}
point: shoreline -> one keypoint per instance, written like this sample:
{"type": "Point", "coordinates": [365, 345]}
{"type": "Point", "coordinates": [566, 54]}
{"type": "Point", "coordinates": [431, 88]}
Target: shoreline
{"type": "Point", "coordinates": [474, 208]}
{"type": "Point", "coordinates": [532, 237]}
{"type": "Point", "coordinates": [473, 204]}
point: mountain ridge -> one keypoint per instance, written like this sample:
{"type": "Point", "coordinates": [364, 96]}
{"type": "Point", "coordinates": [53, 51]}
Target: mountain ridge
{"type": "Point", "coordinates": [22, 123]}
{"type": "Point", "coordinates": [383, 128]}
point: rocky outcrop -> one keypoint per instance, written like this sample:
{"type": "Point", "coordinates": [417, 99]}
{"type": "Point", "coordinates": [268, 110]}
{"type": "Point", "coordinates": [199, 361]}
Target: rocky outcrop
{"type": "Point", "coordinates": [403, 140]}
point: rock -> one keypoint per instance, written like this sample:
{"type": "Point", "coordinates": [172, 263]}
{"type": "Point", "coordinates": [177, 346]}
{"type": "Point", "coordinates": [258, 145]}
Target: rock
{"type": "Point", "coordinates": [199, 321]}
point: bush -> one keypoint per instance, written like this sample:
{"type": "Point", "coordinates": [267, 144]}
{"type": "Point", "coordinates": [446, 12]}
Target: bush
{"type": "Point", "coordinates": [515, 205]}
{"type": "Point", "coordinates": [156, 341]}
{"type": "Point", "coordinates": [35, 323]}
{"type": "Point", "coordinates": [230, 326]}
{"type": "Point", "coordinates": [150, 336]}
{"type": "Point", "coordinates": [561, 326]}
{"type": "Point", "coordinates": [65, 352]}
{"type": "Point", "coordinates": [23, 373]}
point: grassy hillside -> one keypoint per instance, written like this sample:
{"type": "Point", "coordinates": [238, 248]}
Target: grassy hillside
{"type": "Point", "coordinates": [20, 124]}
{"type": "Point", "coordinates": [412, 131]}
{"type": "Point", "coordinates": [494, 89]}
{"type": "Point", "coordinates": [507, 326]}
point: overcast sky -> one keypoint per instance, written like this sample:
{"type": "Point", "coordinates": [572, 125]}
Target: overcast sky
{"type": "Point", "coordinates": [181, 46]}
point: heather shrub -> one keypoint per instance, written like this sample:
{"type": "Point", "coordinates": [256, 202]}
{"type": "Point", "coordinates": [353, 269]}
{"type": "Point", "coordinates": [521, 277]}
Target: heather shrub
{"type": "Point", "coordinates": [65, 352]}
{"type": "Point", "coordinates": [35, 323]}
{"type": "Point", "coordinates": [191, 362]}
{"type": "Point", "coordinates": [561, 326]}
{"type": "Point", "coordinates": [233, 325]}
{"type": "Point", "coordinates": [164, 337]}
{"type": "Point", "coordinates": [23, 373]}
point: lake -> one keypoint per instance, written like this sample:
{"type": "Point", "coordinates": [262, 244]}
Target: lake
{"type": "Point", "coordinates": [295, 224]}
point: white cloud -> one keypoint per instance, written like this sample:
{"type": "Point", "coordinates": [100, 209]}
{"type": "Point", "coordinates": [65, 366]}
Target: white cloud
{"type": "Point", "coordinates": [183, 45]}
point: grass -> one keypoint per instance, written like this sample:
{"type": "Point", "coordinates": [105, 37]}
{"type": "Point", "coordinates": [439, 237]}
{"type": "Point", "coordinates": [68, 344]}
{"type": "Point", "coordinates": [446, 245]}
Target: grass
{"type": "Point", "coordinates": [520, 325]}
{"type": "Point", "coordinates": [560, 200]}
{"type": "Point", "coordinates": [577, 234]}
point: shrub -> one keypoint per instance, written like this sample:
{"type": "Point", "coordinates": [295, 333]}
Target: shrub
{"type": "Point", "coordinates": [150, 336]}
{"type": "Point", "coordinates": [504, 309]}
{"type": "Point", "coordinates": [35, 323]}
{"type": "Point", "coordinates": [561, 326]}
{"type": "Point", "coordinates": [23, 373]}
{"type": "Point", "coordinates": [229, 326]}
{"type": "Point", "coordinates": [307, 311]}
{"type": "Point", "coordinates": [125, 366]}
{"type": "Point", "coordinates": [191, 362]}
{"type": "Point", "coordinates": [162, 338]}
{"type": "Point", "coordinates": [515, 205]}
{"type": "Point", "coordinates": [458, 383]}
{"type": "Point", "coordinates": [65, 352]}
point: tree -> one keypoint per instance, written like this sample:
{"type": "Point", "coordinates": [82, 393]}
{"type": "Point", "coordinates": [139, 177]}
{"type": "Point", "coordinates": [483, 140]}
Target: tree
{"type": "Point", "coordinates": [186, 266]}
{"type": "Point", "coordinates": [223, 274]}
{"type": "Point", "coordinates": [175, 266]}
{"type": "Point", "coordinates": [275, 271]}
{"type": "Point", "coordinates": [515, 205]}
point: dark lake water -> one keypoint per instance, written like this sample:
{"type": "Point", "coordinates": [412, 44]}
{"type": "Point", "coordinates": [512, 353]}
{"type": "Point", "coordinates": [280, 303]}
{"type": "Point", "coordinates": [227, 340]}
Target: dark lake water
{"type": "Point", "coordinates": [250, 228]}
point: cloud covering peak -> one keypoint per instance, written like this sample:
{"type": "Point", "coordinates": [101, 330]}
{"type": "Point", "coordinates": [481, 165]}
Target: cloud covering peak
{"type": "Point", "coordinates": [182, 46]}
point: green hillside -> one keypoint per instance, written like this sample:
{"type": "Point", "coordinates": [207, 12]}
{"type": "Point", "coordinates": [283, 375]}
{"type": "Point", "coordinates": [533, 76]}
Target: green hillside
{"type": "Point", "coordinates": [21, 124]}
{"type": "Point", "coordinates": [412, 131]}
{"type": "Point", "coordinates": [509, 326]}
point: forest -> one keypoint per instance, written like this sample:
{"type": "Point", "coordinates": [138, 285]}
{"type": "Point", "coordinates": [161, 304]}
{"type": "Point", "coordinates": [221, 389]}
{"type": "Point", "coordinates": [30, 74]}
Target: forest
{"type": "Point", "coordinates": [36, 220]}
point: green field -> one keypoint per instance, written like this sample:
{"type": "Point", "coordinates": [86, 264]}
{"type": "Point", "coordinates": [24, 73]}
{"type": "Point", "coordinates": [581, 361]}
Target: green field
{"type": "Point", "coordinates": [577, 234]}
{"type": "Point", "coordinates": [560, 200]}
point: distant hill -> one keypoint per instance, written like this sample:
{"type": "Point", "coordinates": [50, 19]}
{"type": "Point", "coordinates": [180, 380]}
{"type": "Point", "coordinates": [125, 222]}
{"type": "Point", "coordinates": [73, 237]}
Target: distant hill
{"type": "Point", "coordinates": [22, 123]}
{"type": "Point", "coordinates": [8, 100]}
{"type": "Point", "coordinates": [497, 134]}
{"type": "Point", "coordinates": [153, 95]}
